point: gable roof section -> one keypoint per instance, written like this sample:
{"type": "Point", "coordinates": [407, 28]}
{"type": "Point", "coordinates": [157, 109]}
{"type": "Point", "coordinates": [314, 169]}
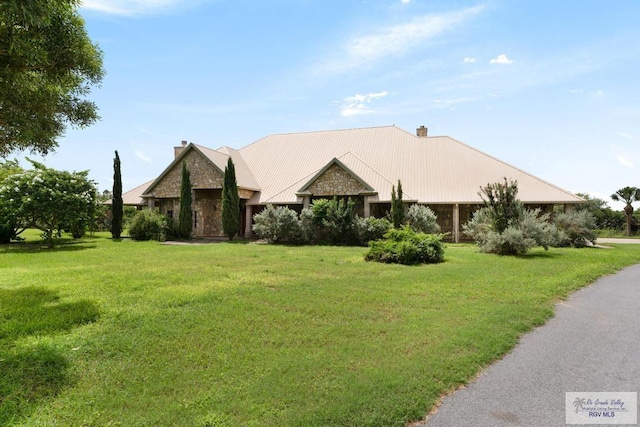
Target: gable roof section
{"type": "Point", "coordinates": [432, 169]}
{"type": "Point", "coordinates": [341, 165]}
{"type": "Point", "coordinates": [218, 160]}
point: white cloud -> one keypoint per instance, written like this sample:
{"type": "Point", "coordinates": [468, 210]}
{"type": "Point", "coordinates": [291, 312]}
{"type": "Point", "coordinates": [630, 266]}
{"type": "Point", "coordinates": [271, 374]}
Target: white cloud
{"type": "Point", "coordinates": [469, 59]}
{"type": "Point", "coordinates": [139, 154]}
{"type": "Point", "coordinates": [624, 161]}
{"type": "Point", "coordinates": [405, 1]}
{"type": "Point", "coordinates": [357, 104]}
{"type": "Point", "coordinates": [396, 40]}
{"type": "Point", "coordinates": [501, 59]}
{"type": "Point", "coordinates": [134, 7]}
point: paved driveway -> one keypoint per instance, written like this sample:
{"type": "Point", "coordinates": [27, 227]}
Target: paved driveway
{"type": "Point", "coordinates": [591, 345]}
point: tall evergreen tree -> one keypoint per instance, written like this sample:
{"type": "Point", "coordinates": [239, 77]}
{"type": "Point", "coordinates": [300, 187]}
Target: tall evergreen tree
{"type": "Point", "coordinates": [230, 202]}
{"type": "Point", "coordinates": [185, 218]}
{"type": "Point", "coordinates": [117, 209]}
{"type": "Point", "coordinates": [397, 208]}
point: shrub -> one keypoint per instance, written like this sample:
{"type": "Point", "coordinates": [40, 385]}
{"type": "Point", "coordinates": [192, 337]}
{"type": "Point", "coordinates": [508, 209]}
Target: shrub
{"type": "Point", "coordinates": [504, 226]}
{"type": "Point", "coordinates": [422, 219]}
{"type": "Point", "coordinates": [148, 225]}
{"type": "Point", "coordinates": [333, 221]}
{"type": "Point", "coordinates": [576, 227]}
{"type": "Point", "coordinates": [405, 246]}
{"type": "Point", "coordinates": [277, 225]}
{"type": "Point", "coordinates": [368, 229]}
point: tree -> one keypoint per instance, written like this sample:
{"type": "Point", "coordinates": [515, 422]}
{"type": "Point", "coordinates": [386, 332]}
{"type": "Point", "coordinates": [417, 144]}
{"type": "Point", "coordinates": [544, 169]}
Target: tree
{"type": "Point", "coordinates": [504, 226]}
{"type": "Point", "coordinates": [8, 225]}
{"type": "Point", "coordinates": [627, 195]}
{"type": "Point", "coordinates": [47, 67]}
{"type": "Point", "coordinates": [48, 199]}
{"type": "Point", "coordinates": [117, 207]}
{"type": "Point", "coordinates": [397, 207]}
{"type": "Point", "coordinates": [185, 218]}
{"type": "Point", "coordinates": [230, 202]}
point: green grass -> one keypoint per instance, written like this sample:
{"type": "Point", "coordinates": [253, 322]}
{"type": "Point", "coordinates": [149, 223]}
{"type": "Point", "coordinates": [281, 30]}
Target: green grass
{"type": "Point", "coordinates": [127, 333]}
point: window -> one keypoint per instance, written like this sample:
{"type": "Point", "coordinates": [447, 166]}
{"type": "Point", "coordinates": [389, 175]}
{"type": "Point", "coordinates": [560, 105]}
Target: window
{"type": "Point", "coordinates": [195, 219]}
{"type": "Point", "coordinates": [170, 214]}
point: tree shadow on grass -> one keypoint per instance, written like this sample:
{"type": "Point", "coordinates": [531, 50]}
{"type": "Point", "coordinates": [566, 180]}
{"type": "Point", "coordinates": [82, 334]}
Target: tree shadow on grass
{"type": "Point", "coordinates": [30, 373]}
{"type": "Point", "coordinates": [41, 247]}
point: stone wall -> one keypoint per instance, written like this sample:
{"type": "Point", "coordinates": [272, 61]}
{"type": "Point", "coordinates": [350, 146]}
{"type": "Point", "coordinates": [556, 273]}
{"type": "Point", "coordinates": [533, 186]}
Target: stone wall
{"type": "Point", "coordinates": [202, 174]}
{"type": "Point", "coordinates": [335, 181]}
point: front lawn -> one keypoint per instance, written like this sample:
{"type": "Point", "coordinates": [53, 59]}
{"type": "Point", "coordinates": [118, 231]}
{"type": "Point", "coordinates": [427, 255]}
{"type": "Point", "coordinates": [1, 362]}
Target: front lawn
{"type": "Point", "coordinates": [129, 333]}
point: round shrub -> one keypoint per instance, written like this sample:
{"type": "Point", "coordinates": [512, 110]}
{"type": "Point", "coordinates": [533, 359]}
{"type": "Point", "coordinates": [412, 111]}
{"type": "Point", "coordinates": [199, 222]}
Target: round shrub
{"type": "Point", "coordinates": [368, 229]}
{"type": "Point", "coordinates": [422, 219]}
{"type": "Point", "coordinates": [405, 246]}
{"type": "Point", "coordinates": [148, 225]}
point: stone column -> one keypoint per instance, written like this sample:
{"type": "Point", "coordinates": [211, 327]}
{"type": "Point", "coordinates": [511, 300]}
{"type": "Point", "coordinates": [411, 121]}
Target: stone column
{"type": "Point", "coordinates": [306, 202]}
{"type": "Point", "coordinates": [367, 207]}
{"type": "Point", "coordinates": [151, 203]}
{"type": "Point", "coordinates": [247, 220]}
{"type": "Point", "coordinates": [456, 223]}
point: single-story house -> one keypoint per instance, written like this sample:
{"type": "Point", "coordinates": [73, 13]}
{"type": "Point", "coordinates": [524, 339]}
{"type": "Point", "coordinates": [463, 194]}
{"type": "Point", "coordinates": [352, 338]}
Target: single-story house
{"type": "Point", "coordinates": [294, 169]}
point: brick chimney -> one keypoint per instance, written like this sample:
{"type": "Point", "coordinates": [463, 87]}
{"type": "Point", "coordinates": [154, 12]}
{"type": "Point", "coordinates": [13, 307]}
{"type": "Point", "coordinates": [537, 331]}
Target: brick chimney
{"type": "Point", "coordinates": [422, 132]}
{"type": "Point", "coordinates": [178, 150]}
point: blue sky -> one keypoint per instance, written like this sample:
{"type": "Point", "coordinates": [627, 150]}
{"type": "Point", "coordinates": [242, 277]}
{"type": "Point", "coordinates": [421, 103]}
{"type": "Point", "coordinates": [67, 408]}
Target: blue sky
{"type": "Point", "coordinates": [550, 87]}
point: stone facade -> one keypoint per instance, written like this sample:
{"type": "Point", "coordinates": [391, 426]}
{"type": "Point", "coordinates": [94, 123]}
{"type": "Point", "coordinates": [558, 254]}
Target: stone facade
{"type": "Point", "coordinates": [202, 174]}
{"type": "Point", "coordinates": [336, 181]}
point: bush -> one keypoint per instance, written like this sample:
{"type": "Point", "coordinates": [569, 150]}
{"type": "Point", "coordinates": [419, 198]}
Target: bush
{"type": "Point", "coordinates": [278, 224]}
{"type": "Point", "coordinates": [368, 229]}
{"type": "Point", "coordinates": [148, 225]}
{"type": "Point", "coordinates": [504, 226]}
{"type": "Point", "coordinates": [333, 221]}
{"type": "Point", "coordinates": [405, 246]}
{"type": "Point", "coordinates": [422, 219]}
{"type": "Point", "coordinates": [576, 228]}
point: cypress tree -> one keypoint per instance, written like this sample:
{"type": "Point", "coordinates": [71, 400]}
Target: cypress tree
{"type": "Point", "coordinates": [230, 202]}
{"type": "Point", "coordinates": [185, 218]}
{"type": "Point", "coordinates": [397, 208]}
{"type": "Point", "coordinates": [117, 210]}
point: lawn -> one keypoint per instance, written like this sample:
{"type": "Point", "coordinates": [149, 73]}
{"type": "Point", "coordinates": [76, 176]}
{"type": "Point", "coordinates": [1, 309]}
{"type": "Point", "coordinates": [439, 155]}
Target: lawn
{"type": "Point", "coordinates": [104, 332]}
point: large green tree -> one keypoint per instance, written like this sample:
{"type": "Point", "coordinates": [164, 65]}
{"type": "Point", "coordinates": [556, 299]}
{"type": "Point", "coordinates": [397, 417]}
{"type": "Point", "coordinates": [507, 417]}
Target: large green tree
{"type": "Point", "coordinates": [230, 202]}
{"type": "Point", "coordinates": [48, 199]}
{"type": "Point", "coordinates": [117, 206]}
{"type": "Point", "coordinates": [48, 64]}
{"type": "Point", "coordinates": [8, 225]}
{"type": "Point", "coordinates": [185, 217]}
{"type": "Point", "coordinates": [628, 195]}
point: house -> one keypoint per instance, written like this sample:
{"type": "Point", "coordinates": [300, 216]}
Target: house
{"type": "Point", "coordinates": [294, 169]}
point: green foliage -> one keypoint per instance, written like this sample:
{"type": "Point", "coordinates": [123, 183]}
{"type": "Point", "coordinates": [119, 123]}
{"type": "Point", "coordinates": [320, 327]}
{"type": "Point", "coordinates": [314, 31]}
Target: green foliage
{"type": "Point", "coordinates": [397, 207]}
{"type": "Point", "coordinates": [422, 219]}
{"type": "Point", "coordinates": [504, 226]}
{"type": "Point", "coordinates": [48, 66]}
{"type": "Point", "coordinates": [405, 246]}
{"type": "Point", "coordinates": [278, 224]}
{"type": "Point", "coordinates": [149, 225]}
{"type": "Point", "coordinates": [47, 199]}
{"type": "Point", "coordinates": [368, 229]}
{"type": "Point", "coordinates": [185, 217]}
{"type": "Point", "coordinates": [117, 210]}
{"type": "Point", "coordinates": [230, 202]}
{"type": "Point", "coordinates": [576, 228]}
{"type": "Point", "coordinates": [338, 222]}
{"type": "Point", "coordinates": [628, 195]}
{"type": "Point", "coordinates": [8, 225]}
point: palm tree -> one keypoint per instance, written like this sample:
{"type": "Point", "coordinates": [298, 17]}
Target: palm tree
{"type": "Point", "coordinates": [579, 403]}
{"type": "Point", "coordinates": [627, 195]}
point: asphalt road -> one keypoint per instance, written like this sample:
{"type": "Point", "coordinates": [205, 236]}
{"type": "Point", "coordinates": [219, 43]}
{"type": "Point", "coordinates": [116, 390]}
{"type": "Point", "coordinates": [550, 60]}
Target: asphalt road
{"type": "Point", "coordinates": [592, 344]}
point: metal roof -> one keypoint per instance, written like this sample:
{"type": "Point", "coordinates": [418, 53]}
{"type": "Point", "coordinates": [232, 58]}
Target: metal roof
{"type": "Point", "coordinates": [434, 170]}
